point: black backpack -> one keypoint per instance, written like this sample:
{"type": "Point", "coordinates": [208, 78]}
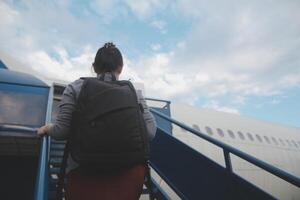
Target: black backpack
{"type": "Point", "coordinates": [108, 131]}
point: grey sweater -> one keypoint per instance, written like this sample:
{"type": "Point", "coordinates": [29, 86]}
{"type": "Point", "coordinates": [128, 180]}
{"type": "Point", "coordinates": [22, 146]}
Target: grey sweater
{"type": "Point", "coordinates": [61, 127]}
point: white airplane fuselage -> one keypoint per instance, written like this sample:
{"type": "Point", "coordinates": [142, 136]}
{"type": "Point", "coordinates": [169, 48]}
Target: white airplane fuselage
{"type": "Point", "coordinates": [275, 144]}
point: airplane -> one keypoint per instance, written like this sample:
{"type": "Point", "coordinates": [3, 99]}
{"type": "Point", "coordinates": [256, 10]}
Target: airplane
{"type": "Point", "coordinates": [275, 144]}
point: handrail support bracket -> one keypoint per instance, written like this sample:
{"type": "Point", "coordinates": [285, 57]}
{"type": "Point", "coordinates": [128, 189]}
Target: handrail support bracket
{"type": "Point", "coordinates": [227, 161]}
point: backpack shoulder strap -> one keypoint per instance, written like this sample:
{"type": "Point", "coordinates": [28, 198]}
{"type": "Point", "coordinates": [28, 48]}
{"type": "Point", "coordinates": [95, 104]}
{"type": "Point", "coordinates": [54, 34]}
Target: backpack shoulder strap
{"type": "Point", "coordinates": [82, 92]}
{"type": "Point", "coordinates": [125, 82]}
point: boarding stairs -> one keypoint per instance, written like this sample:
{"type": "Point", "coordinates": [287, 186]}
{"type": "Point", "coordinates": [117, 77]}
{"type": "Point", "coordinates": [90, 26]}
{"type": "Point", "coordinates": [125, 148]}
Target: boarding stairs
{"type": "Point", "coordinates": [188, 173]}
{"type": "Point", "coordinates": [55, 162]}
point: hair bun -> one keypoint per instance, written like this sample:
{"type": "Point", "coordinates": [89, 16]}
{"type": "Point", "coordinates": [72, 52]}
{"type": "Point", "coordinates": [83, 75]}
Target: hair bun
{"type": "Point", "coordinates": [108, 58]}
{"type": "Point", "coordinates": [109, 45]}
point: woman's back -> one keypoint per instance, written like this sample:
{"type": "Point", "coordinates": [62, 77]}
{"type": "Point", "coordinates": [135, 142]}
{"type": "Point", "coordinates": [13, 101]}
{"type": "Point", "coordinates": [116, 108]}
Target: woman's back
{"type": "Point", "coordinates": [124, 184]}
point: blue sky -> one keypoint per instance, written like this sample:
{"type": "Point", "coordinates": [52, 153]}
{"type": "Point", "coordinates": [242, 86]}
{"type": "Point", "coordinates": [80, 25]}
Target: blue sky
{"type": "Point", "coordinates": [234, 56]}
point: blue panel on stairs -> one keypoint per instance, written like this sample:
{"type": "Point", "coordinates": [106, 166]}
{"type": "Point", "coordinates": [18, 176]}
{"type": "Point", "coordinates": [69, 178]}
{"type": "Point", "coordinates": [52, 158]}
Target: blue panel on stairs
{"type": "Point", "coordinates": [2, 65]}
{"type": "Point", "coordinates": [164, 124]}
{"type": "Point", "coordinates": [195, 176]}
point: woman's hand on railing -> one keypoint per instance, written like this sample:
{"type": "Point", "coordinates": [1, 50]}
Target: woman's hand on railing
{"type": "Point", "coordinates": [43, 130]}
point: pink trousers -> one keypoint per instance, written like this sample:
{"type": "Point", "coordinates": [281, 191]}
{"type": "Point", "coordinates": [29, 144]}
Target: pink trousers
{"type": "Point", "coordinates": [125, 185]}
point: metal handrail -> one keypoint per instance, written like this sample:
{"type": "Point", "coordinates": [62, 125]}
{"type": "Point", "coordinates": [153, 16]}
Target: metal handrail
{"type": "Point", "coordinates": [41, 185]}
{"type": "Point", "coordinates": [227, 149]}
{"type": "Point", "coordinates": [160, 100]}
{"type": "Point", "coordinates": [17, 128]}
{"type": "Point", "coordinates": [160, 189]}
{"type": "Point", "coordinates": [41, 190]}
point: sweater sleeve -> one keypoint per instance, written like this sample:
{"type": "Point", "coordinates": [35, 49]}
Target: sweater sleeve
{"type": "Point", "coordinates": [60, 129]}
{"type": "Point", "coordinates": [148, 117]}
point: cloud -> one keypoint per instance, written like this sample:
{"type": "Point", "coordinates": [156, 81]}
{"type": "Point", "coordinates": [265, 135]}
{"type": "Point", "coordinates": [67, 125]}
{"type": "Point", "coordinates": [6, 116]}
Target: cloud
{"type": "Point", "coordinates": [234, 49]}
{"type": "Point", "coordinates": [160, 25]}
{"type": "Point", "coordinates": [111, 10]}
{"type": "Point", "coordinates": [37, 24]}
{"type": "Point", "coordinates": [156, 74]}
{"type": "Point", "coordinates": [7, 14]}
{"type": "Point", "coordinates": [275, 101]}
{"type": "Point", "coordinates": [64, 67]}
{"type": "Point", "coordinates": [215, 106]}
{"type": "Point", "coordinates": [144, 9]}
{"type": "Point", "coordinates": [155, 47]}
{"type": "Point", "coordinates": [50, 43]}
{"type": "Point", "coordinates": [246, 50]}
{"type": "Point", "coordinates": [239, 100]}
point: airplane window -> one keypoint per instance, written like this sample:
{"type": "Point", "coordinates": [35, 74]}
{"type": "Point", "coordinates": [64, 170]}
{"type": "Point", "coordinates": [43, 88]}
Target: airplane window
{"type": "Point", "coordinates": [220, 132]}
{"type": "Point", "coordinates": [274, 140]}
{"type": "Point", "coordinates": [250, 136]}
{"type": "Point", "coordinates": [288, 142]}
{"type": "Point", "coordinates": [195, 126]}
{"type": "Point", "coordinates": [208, 130]}
{"type": "Point", "coordinates": [258, 138]}
{"type": "Point", "coordinates": [241, 135]}
{"type": "Point", "coordinates": [231, 134]}
{"type": "Point", "coordinates": [281, 141]}
{"type": "Point", "coordinates": [294, 143]}
{"type": "Point", "coordinates": [267, 139]}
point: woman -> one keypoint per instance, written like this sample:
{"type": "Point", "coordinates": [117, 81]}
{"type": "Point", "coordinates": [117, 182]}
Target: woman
{"type": "Point", "coordinates": [125, 185]}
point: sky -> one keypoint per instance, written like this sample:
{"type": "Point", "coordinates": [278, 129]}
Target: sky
{"type": "Point", "coordinates": [236, 56]}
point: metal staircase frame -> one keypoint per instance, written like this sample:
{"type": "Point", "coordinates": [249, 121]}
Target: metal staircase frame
{"type": "Point", "coordinates": [227, 150]}
{"type": "Point", "coordinates": [42, 180]}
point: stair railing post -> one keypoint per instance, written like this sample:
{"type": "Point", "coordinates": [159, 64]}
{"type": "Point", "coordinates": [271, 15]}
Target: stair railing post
{"type": "Point", "coordinates": [227, 161]}
{"type": "Point", "coordinates": [41, 184]}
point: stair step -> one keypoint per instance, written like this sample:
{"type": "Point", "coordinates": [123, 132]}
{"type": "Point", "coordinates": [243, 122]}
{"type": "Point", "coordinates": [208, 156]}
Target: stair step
{"type": "Point", "coordinates": [58, 141]}
{"type": "Point", "coordinates": [52, 186]}
{"type": "Point", "coordinates": [58, 147]}
{"type": "Point", "coordinates": [56, 162]}
{"type": "Point", "coordinates": [54, 170]}
{"type": "Point", "coordinates": [53, 181]}
{"type": "Point", "coordinates": [56, 154]}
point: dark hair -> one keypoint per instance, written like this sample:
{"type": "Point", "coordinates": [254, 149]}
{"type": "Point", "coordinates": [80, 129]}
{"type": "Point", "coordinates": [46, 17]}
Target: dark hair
{"type": "Point", "coordinates": [108, 59]}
